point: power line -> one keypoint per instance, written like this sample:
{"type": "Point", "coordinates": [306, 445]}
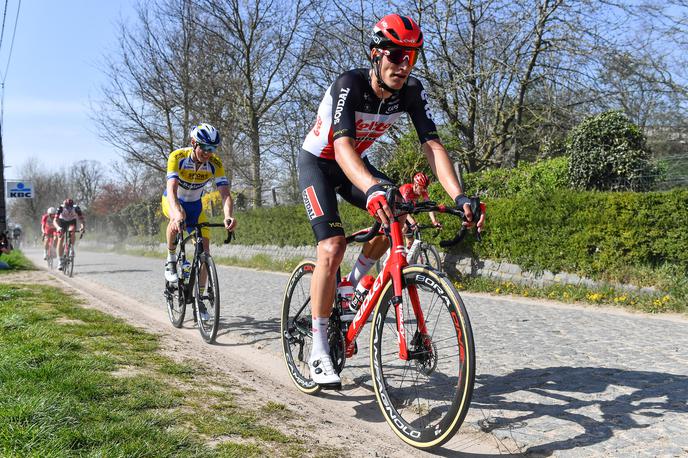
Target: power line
{"type": "Point", "coordinates": [4, 16]}
{"type": "Point", "coordinates": [7, 67]}
{"type": "Point", "coordinates": [14, 33]}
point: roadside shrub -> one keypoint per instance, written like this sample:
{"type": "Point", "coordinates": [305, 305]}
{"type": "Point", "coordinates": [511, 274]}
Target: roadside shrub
{"type": "Point", "coordinates": [608, 153]}
{"type": "Point", "coordinates": [406, 160]}
{"type": "Point", "coordinates": [542, 177]}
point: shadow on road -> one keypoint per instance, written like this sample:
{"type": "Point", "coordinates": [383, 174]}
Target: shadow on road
{"type": "Point", "coordinates": [107, 272]}
{"type": "Point", "coordinates": [615, 395]}
{"type": "Point", "coordinates": [251, 330]}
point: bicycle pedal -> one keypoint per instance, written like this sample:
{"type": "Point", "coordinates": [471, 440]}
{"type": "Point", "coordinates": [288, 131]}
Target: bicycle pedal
{"type": "Point", "coordinates": [331, 386]}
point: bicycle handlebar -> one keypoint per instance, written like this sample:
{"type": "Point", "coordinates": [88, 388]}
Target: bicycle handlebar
{"type": "Point", "coordinates": [421, 207]}
{"type": "Point", "coordinates": [429, 206]}
{"type": "Point", "coordinates": [230, 234]}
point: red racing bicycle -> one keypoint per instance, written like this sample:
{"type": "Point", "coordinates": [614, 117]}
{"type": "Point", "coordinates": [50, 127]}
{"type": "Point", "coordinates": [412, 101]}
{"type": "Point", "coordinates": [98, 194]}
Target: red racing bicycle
{"type": "Point", "coordinates": [422, 356]}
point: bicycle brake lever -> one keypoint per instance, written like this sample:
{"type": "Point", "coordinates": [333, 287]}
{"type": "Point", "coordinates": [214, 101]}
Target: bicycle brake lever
{"type": "Point", "coordinates": [230, 236]}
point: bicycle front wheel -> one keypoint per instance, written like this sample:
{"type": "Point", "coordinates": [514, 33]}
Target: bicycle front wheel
{"type": "Point", "coordinates": [295, 327]}
{"type": "Point", "coordinates": [69, 270]}
{"type": "Point", "coordinates": [207, 300]}
{"type": "Point", "coordinates": [426, 397]}
{"type": "Point", "coordinates": [176, 300]}
{"type": "Point", "coordinates": [428, 255]}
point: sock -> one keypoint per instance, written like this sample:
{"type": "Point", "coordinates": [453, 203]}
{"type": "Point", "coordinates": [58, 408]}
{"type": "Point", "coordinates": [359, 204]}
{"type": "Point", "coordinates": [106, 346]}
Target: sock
{"type": "Point", "coordinates": [320, 344]}
{"type": "Point", "coordinates": [361, 267]}
{"type": "Point", "coordinates": [171, 255]}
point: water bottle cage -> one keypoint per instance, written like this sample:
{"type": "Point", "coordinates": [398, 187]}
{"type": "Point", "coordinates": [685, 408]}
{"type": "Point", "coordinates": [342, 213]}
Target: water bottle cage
{"type": "Point", "coordinates": [358, 299]}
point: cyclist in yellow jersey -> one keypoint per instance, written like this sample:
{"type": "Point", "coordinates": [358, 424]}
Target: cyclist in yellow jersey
{"type": "Point", "coordinates": [188, 172]}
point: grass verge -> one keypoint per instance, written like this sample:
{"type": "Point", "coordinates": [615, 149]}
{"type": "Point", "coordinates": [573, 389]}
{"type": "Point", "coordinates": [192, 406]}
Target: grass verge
{"type": "Point", "coordinates": [16, 260]}
{"type": "Point", "coordinates": [75, 381]}
{"type": "Point", "coordinates": [606, 295]}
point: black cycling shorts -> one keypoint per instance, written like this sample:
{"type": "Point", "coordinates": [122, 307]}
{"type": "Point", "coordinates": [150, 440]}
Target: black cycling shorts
{"type": "Point", "coordinates": [65, 225]}
{"type": "Point", "coordinates": [320, 180]}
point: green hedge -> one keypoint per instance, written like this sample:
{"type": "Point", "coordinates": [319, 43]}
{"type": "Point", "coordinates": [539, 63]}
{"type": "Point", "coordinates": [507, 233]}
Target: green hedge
{"type": "Point", "coordinates": [585, 232]}
{"type": "Point", "coordinates": [588, 232]}
{"type": "Point", "coordinates": [286, 225]}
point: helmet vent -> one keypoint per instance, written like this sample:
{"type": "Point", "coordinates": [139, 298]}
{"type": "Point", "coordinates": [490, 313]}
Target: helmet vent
{"type": "Point", "coordinates": [393, 33]}
{"type": "Point", "coordinates": [407, 23]}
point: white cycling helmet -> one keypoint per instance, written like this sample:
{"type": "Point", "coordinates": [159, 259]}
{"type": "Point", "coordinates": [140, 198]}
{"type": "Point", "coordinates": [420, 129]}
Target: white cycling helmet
{"type": "Point", "coordinates": [206, 134]}
{"type": "Point", "coordinates": [52, 211]}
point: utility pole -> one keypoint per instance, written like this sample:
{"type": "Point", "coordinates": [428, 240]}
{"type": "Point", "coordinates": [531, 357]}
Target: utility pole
{"type": "Point", "coordinates": [3, 210]}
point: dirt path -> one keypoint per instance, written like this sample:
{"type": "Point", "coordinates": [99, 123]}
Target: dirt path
{"type": "Point", "coordinates": [333, 418]}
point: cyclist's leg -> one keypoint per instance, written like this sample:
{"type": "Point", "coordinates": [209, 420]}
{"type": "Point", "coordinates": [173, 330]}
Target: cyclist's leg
{"type": "Point", "coordinates": [72, 231]}
{"type": "Point", "coordinates": [61, 238]}
{"type": "Point", "coordinates": [46, 243]}
{"type": "Point", "coordinates": [171, 235]}
{"type": "Point", "coordinates": [52, 243]}
{"type": "Point", "coordinates": [317, 181]}
{"type": "Point", "coordinates": [375, 248]}
{"type": "Point", "coordinates": [205, 239]}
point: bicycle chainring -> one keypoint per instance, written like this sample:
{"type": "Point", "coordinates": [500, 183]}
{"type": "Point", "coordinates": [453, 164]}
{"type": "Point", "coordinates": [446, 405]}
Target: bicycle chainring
{"type": "Point", "coordinates": [335, 337]}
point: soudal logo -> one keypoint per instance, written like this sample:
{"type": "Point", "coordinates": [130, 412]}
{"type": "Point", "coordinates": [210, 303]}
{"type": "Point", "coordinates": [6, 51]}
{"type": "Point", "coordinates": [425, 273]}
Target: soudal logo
{"type": "Point", "coordinates": [310, 200]}
{"type": "Point", "coordinates": [372, 126]}
{"type": "Point", "coordinates": [341, 100]}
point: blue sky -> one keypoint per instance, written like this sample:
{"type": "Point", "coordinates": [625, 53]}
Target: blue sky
{"type": "Point", "coordinates": [53, 75]}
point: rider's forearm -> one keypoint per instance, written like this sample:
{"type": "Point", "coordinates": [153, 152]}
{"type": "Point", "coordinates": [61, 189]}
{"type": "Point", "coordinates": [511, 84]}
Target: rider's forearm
{"type": "Point", "coordinates": [227, 204]}
{"type": "Point", "coordinates": [442, 167]}
{"type": "Point", "coordinates": [176, 211]}
{"type": "Point", "coordinates": [351, 163]}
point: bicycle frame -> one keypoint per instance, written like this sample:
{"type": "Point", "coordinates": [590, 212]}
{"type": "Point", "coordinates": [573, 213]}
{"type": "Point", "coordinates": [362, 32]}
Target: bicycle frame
{"type": "Point", "coordinates": [392, 270]}
{"type": "Point", "coordinates": [198, 250]}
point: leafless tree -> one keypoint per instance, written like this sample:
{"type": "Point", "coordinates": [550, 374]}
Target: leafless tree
{"type": "Point", "coordinates": [268, 51]}
{"type": "Point", "coordinates": [86, 177]}
{"type": "Point", "coordinates": [147, 105]}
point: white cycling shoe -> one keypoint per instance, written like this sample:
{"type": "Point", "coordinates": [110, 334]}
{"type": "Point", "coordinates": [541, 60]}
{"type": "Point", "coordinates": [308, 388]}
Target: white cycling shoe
{"type": "Point", "coordinates": [323, 373]}
{"type": "Point", "coordinates": [171, 273]}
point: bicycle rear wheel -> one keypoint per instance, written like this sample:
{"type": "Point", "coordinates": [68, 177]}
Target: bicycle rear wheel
{"type": "Point", "coordinates": [209, 299]}
{"type": "Point", "coordinates": [425, 398]}
{"type": "Point", "coordinates": [428, 255]}
{"type": "Point", "coordinates": [295, 327]}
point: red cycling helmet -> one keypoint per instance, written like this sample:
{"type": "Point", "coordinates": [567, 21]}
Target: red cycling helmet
{"type": "Point", "coordinates": [394, 30]}
{"type": "Point", "coordinates": [421, 179]}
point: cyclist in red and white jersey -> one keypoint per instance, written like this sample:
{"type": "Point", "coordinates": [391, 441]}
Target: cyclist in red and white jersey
{"type": "Point", "coordinates": [48, 229]}
{"type": "Point", "coordinates": [414, 192]}
{"type": "Point", "coordinates": [356, 110]}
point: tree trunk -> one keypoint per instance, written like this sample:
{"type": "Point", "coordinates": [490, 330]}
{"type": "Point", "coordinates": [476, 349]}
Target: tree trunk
{"type": "Point", "coordinates": [255, 164]}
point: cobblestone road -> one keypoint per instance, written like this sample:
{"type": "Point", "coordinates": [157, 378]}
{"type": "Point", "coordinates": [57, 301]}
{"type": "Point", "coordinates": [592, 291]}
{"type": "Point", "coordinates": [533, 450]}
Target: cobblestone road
{"type": "Point", "coordinates": [551, 380]}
